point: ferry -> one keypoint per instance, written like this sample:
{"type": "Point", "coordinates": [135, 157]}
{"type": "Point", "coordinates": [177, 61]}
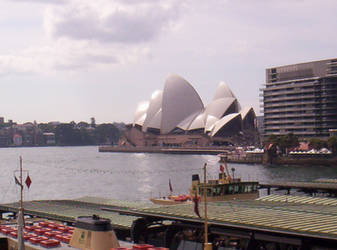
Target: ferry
{"type": "Point", "coordinates": [224, 188]}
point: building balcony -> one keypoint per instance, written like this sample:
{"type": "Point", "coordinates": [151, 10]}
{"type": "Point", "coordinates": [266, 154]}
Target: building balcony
{"type": "Point", "coordinates": [290, 98]}
{"type": "Point", "coordinates": [287, 121]}
{"type": "Point", "coordinates": [288, 92]}
{"type": "Point", "coordinates": [297, 92]}
{"type": "Point", "coordinates": [286, 105]}
{"type": "Point", "coordinates": [289, 115]}
{"type": "Point", "coordinates": [298, 133]}
{"type": "Point", "coordinates": [293, 83]}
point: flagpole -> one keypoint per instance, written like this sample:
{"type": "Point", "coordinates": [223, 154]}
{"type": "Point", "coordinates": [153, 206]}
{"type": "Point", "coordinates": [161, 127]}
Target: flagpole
{"type": "Point", "coordinates": [21, 222]}
{"type": "Point", "coordinates": [207, 246]}
{"type": "Point", "coordinates": [21, 187]}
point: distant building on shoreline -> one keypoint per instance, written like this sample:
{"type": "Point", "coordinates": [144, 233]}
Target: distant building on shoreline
{"type": "Point", "coordinates": [177, 117]}
{"type": "Point", "coordinates": [301, 99]}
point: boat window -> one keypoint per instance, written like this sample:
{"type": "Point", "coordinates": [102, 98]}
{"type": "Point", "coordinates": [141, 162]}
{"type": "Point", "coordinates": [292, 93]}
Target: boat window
{"type": "Point", "coordinates": [236, 188]}
{"type": "Point", "coordinates": [254, 187]}
{"type": "Point", "coordinates": [216, 191]}
{"type": "Point", "coordinates": [249, 188]}
{"type": "Point", "coordinates": [230, 189]}
{"type": "Point", "coordinates": [225, 189]}
{"type": "Point", "coordinates": [209, 192]}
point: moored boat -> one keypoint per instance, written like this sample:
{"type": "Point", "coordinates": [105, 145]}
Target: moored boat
{"type": "Point", "coordinates": [172, 199]}
{"type": "Point", "coordinates": [226, 187]}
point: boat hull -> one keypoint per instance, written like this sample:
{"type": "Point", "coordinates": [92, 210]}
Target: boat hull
{"type": "Point", "coordinates": [160, 201]}
{"type": "Point", "coordinates": [242, 196]}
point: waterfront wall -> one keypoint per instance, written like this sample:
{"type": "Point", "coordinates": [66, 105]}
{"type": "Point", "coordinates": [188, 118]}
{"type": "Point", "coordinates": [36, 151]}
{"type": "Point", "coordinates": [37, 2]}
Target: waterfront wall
{"type": "Point", "coordinates": [318, 160]}
{"type": "Point", "coordinates": [173, 150]}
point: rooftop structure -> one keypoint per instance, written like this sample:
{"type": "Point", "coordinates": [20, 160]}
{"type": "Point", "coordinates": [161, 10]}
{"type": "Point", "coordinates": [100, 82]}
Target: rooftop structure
{"type": "Point", "coordinates": [301, 99]}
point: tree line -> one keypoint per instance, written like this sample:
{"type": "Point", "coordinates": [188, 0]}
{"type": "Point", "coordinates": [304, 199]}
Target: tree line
{"type": "Point", "coordinates": [289, 141]}
{"type": "Point", "coordinates": [72, 134]}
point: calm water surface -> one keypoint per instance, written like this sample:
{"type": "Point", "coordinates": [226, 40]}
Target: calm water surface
{"type": "Point", "coordinates": [74, 172]}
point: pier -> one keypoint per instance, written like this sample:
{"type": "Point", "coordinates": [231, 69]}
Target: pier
{"type": "Point", "coordinates": [306, 187]}
{"type": "Point", "coordinates": [283, 220]}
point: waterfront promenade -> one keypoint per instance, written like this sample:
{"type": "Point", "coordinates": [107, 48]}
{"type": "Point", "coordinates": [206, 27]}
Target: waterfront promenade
{"type": "Point", "coordinates": [249, 158]}
{"type": "Point", "coordinates": [176, 150]}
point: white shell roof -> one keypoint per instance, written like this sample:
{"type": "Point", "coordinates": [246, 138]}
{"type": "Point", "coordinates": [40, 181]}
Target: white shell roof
{"type": "Point", "coordinates": [245, 111]}
{"type": "Point", "coordinates": [211, 120]}
{"type": "Point", "coordinates": [140, 113]}
{"type": "Point", "coordinates": [222, 122]}
{"type": "Point", "coordinates": [198, 122]}
{"type": "Point", "coordinates": [186, 123]}
{"type": "Point", "coordinates": [179, 105]}
{"type": "Point", "coordinates": [155, 121]}
{"type": "Point", "coordinates": [223, 91]}
{"type": "Point", "coordinates": [218, 107]}
{"type": "Point", "coordinates": [180, 100]}
{"type": "Point", "coordinates": [154, 107]}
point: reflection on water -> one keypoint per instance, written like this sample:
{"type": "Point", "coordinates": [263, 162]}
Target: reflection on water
{"type": "Point", "coordinates": [73, 172]}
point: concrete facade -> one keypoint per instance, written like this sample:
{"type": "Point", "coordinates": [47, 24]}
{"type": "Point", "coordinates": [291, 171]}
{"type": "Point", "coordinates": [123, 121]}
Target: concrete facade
{"type": "Point", "coordinates": [301, 99]}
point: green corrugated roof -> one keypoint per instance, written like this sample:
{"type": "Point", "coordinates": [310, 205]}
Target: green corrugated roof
{"type": "Point", "coordinates": [312, 216]}
{"type": "Point", "coordinates": [302, 217]}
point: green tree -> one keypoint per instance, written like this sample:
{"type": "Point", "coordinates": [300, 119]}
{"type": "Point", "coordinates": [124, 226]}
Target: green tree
{"type": "Point", "coordinates": [107, 132]}
{"type": "Point", "coordinates": [93, 122]}
{"type": "Point", "coordinates": [46, 128]}
{"type": "Point", "coordinates": [87, 136]}
{"type": "Point", "coordinates": [273, 139]}
{"type": "Point", "coordinates": [288, 141]}
{"type": "Point", "coordinates": [332, 144]}
{"type": "Point", "coordinates": [284, 142]}
{"type": "Point", "coordinates": [65, 134]}
{"type": "Point", "coordinates": [317, 143]}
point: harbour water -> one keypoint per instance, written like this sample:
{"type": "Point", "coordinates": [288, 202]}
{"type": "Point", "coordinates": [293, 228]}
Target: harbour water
{"type": "Point", "coordinates": [74, 172]}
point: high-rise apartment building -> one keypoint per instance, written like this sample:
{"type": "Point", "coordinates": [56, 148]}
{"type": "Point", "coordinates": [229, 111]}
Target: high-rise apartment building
{"type": "Point", "coordinates": [301, 99]}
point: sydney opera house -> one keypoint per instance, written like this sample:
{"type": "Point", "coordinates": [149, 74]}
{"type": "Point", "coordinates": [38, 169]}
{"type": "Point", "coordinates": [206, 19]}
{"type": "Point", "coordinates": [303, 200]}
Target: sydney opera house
{"type": "Point", "coordinates": [176, 116]}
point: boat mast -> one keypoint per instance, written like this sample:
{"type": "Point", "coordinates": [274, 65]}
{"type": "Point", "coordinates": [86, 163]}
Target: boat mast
{"type": "Point", "coordinates": [207, 246]}
{"type": "Point", "coordinates": [21, 244]}
{"type": "Point", "coordinates": [21, 186]}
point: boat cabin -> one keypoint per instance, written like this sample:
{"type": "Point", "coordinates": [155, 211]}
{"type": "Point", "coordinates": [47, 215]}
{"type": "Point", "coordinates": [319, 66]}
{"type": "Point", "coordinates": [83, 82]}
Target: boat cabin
{"type": "Point", "coordinates": [224, 189]}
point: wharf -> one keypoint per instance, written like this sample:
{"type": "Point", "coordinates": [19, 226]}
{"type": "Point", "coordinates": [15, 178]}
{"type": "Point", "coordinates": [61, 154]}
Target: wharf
{"type": "Point", "coordinates": [282, 219]}
{"type": "Point", "coordinates": [68, 210]}
{"type": "Point", "coordinates": [307, 187]}
{"type": "Point", "coordinates": [177, 150]}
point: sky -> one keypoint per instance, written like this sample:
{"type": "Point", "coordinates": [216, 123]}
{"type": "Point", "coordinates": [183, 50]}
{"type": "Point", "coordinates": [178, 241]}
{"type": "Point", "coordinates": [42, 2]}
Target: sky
{"type": "Point", "coordinates": [70, 60]}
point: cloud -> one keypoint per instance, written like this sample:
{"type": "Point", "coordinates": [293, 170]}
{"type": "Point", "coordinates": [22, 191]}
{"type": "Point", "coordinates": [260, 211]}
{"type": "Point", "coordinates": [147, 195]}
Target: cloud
{"type": "Point", "coordinates": [96, 34]}
{"type": "Point", "coordinates": [111, 21]}
{"type": "Point", "coordinates": [40, 1]}
{"type": "Point", "coordinates": [70, 56]}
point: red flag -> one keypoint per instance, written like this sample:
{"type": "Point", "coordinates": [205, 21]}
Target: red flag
{"type": "Point", "coordinates": [170, 186]}
{"type": "Point", "coordinates": [221, 168]}
{"type": "Point", "coordinates": [196, 205]}
{"type": "Point", "coordinates": [17, 181]}
{"type": "Point", "coordinates": [28, 181]}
